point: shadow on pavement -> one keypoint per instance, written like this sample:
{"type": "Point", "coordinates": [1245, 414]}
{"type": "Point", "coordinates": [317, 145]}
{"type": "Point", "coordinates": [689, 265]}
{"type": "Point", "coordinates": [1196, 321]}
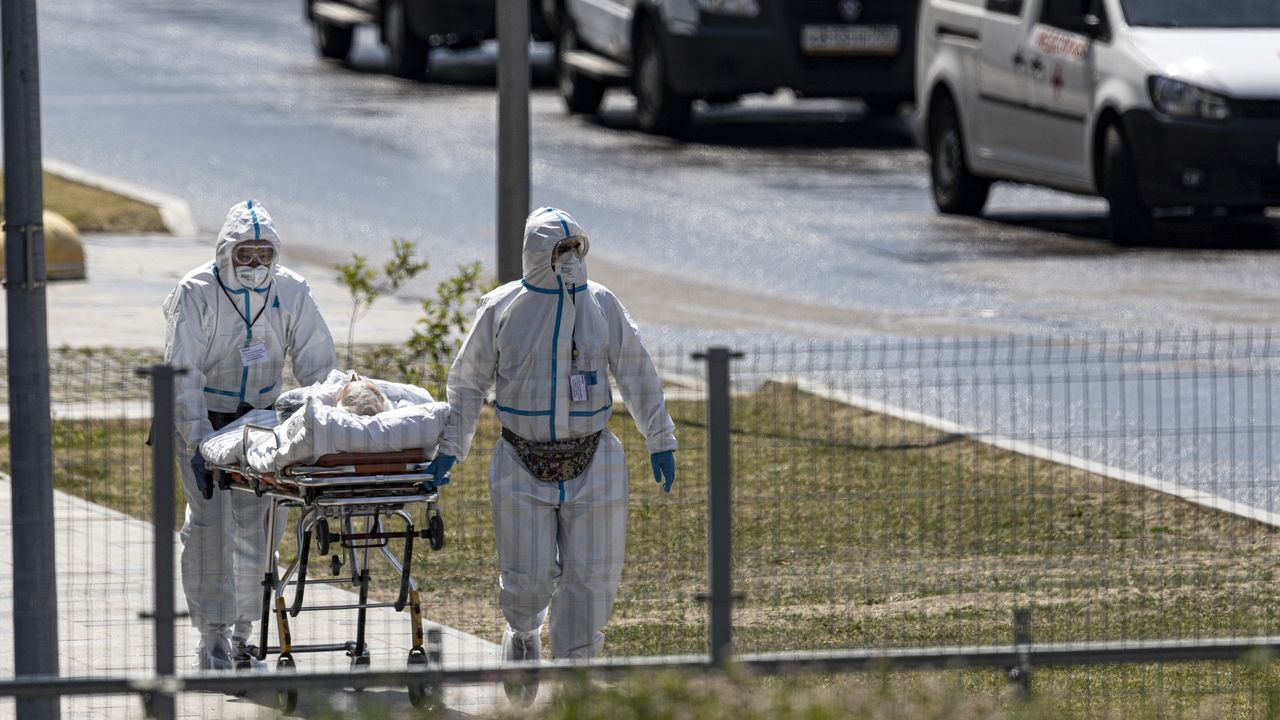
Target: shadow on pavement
{"type": "Point", "coordinates": [1259, 234]}
{"type": "Point", "coordinates": [789, 127]}
{"type": "Point", "coordinates": [374, 703]}
{"type": "Point", "coordinates": [474, 67]}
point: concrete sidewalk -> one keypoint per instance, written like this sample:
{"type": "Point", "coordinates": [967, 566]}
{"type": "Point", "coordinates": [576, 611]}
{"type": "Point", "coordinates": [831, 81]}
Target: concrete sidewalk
{"type": "Point", "coordinates": [119, 304]}
{"type": "Point", "coordinates": [105, 581]}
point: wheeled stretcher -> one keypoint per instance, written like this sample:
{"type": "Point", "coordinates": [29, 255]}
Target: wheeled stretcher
{"type": "Point", "coordinates": [351, 506]}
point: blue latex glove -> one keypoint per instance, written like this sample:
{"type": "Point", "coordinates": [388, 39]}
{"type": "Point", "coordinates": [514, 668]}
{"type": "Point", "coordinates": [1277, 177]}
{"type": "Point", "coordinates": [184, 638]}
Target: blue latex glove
{"type": "Point", "coordinates": [664, 468]}
{"type": "Point", "coordinates": [204, 479]}
{"type": "Point", "coordinates": [439, 471]}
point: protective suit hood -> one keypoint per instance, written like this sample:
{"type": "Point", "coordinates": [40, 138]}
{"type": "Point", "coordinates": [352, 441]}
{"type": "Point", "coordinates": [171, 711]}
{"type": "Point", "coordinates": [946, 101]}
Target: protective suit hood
{"type": "Point", "coordinates": [246, 220]}
{"type": "Point", "coordinates": [544, 228]}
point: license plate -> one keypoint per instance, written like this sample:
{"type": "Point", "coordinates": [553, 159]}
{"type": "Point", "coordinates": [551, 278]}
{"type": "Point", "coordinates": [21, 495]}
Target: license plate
{"type": "Point", "coordinates": [850, 39]}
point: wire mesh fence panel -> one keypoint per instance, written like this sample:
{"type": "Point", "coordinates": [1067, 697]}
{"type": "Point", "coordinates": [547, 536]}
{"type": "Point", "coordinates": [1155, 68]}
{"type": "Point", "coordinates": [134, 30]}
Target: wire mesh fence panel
{"type": "Point", "coordinates": [913, 492]}
{"type": "Point", "coordinates": [888, 493]}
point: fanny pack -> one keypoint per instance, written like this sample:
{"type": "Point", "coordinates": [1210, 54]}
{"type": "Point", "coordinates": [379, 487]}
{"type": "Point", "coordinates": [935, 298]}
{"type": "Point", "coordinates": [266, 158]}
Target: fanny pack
{"type": "Point", "coordinates": [554, 461]}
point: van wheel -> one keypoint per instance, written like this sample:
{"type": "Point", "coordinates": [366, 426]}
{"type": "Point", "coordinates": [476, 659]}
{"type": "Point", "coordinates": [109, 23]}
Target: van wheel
{"type": "Point", "coordinates": [956, 190]}
{"type": "Point", "coordinates": [1130, 217]}
{"type": "Point", "coordinates": [408, 51]}
{"type": "Point", "coordinates": [659, 109]}
{"type": "Point", "coordinates": [582, 95]}
{"type": "Point", "coordinates": [331, 41]}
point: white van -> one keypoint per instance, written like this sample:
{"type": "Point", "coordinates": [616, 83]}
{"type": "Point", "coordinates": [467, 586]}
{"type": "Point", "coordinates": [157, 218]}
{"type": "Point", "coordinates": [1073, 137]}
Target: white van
{"type": "Point", "coordinates": [1148, 103]}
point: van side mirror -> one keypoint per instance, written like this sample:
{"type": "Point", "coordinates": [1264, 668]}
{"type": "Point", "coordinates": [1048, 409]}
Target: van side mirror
{"type": "Point", "coordinates": [1093, 26]}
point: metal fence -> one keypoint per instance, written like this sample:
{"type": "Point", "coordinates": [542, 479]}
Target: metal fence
{"type": "Point", "coordinates": [1001, 503]}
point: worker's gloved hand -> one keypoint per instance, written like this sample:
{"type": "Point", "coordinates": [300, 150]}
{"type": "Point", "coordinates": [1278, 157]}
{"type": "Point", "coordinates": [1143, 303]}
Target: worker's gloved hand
{"type": "Point", "coordinates": [439, 471]}
{"type": "Point", "coordinates": [204, 478]}
{"type": "Point", "coordinates": [664, 468]}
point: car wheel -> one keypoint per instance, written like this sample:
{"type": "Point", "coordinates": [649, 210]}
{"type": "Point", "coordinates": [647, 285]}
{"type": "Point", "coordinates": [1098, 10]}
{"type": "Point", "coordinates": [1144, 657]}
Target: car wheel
{"type": "Point", "coordinates": [659, 109]}
{"type": "Point", "coordinates": [956, 190]}
{"type": "Point", "coordinates": [331, 41]}
{"type": "Point", "coordinates": [1130, 217]}
{"type": "Point", "coordinates": [581, 94]}
{"type": "Point", "coordinates": [408, 51]}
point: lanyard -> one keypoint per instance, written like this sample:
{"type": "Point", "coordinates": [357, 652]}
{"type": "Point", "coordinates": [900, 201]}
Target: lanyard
{"type": "Point", "coordinates": [244, 317]}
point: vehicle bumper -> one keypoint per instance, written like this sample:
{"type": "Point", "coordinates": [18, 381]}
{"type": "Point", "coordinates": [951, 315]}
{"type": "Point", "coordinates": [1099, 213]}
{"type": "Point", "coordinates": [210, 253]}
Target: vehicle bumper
{"type": "Point", "coordinates": [453, 20]}
{"type": "Point", "coordinates": [720, 61]}
{"type": "Point", "coordinates": [1180, 163]}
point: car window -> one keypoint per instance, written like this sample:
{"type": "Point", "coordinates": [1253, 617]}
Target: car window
{"type": "Point", "coordinates": [1005, 7]}
{"type": "Point", "coordinates": [1069, 15]}
{"type": "Point", "coordinates": [1202, 14]}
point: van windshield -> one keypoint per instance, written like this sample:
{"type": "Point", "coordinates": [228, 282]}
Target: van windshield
{"type": "Point", "coordinates": [1202, 14]}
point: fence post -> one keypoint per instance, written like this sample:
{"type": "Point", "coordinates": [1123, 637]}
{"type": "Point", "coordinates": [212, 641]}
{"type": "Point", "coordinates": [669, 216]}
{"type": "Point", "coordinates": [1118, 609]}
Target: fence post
{"type": "Point", "coordinates": [513, 135]}
{"type": "Point", "coordinates": [161, 703]}
{"type": "Point", "coordinates": [1021, 674]}
{"type": "Point", "coordinates": [719, 502]}
{"type": "Point", "coordinates": [35, 596]}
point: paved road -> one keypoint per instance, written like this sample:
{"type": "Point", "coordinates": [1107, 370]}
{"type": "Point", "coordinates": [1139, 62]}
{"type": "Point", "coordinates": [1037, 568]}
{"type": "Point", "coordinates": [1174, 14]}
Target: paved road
{"type": "Point", "coordinates": [775, 219]}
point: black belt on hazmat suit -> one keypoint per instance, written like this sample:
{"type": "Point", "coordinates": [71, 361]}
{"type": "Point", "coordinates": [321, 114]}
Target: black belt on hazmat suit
{"type": "Point", "coordinates": [220, 420]}
{"type": "Point", "coordinates": [555, 461]}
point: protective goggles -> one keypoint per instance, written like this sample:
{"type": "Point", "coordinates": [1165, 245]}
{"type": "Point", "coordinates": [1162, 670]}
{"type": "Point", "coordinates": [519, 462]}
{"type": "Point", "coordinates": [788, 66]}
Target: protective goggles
{"type": "Point", "coordinates": [577, 243]}
{"type": "Point", "coordinates": [245, 254]}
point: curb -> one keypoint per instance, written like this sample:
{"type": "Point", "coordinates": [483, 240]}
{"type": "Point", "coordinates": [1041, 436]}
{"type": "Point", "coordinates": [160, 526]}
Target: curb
{"type": "Point", "coordinates": [1197, 497]}
{"type": "Point", "coordinates": [174, 211]}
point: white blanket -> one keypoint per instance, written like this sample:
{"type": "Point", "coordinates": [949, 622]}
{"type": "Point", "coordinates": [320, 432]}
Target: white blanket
{"type": "Point", "coordinates": [319, 429]}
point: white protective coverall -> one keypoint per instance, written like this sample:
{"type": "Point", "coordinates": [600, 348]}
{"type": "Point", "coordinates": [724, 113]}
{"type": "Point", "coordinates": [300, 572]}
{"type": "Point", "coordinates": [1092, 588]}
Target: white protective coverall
{"type": "Point", "coordinates": [211, 318]}
{"type": "Point", "coordinates": [556, 540]}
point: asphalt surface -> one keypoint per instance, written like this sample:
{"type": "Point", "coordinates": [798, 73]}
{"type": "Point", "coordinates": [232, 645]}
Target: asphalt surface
{"type": "Point", "coordinates": [773, 220]}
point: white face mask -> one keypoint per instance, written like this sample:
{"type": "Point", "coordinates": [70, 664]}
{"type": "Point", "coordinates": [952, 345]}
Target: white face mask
{"type": "Point", "coordinates": [569, 268]}
{"type": "Point", "coordinates": [252, 277]}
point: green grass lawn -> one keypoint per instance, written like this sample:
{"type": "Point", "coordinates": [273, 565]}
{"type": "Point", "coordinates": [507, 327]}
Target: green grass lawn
{"type": "Point", "coordinates": [855, 530]}
{"type": "Point", "coordinates": [94, 210]}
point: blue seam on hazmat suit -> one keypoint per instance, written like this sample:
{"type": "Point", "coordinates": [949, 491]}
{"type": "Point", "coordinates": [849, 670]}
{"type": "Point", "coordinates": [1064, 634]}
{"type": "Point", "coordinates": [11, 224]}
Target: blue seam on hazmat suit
{"type": "Point", "coordinates": [555, 351]}
{"type": "Point", "coordinates": [244, 375]}
{"type": "Point", "coordinates": [257, 230]}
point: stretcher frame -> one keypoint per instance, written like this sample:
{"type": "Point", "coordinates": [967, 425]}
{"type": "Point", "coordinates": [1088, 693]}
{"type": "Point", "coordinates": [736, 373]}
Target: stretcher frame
{"type": "Point", "coordinates": [345, 487]}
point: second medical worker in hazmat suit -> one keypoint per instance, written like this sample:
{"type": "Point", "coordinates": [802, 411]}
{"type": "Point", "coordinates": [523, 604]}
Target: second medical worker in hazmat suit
{"type": "Point", "coordinates": [230, 323]}
{"type": "Point", "coordinates": [557, 477]}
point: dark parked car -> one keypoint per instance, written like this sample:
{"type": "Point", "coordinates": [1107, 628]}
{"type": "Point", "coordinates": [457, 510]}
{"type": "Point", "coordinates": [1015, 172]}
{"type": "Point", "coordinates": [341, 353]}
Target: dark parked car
{"type": "Point", "coordinates": [409, 28]}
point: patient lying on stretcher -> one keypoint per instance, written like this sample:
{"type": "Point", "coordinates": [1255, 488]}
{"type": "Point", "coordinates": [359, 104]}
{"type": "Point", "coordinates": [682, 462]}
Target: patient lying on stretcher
{"type": "Point", "coordinates": [345, 413]}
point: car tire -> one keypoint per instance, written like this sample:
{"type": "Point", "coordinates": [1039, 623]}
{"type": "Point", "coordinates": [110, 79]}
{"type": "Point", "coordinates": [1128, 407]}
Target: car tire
{"type": "Point", "coordinates": [659, 109]}
{"type": "Point", "coordinates": [409, 53]}
{"type": "Point", "coordinates": [332, 41]}
{"type": "Point", "coordinates": [582, 95]}
{"type": "Point", "coordinates": [956, 190]}
{"type": "Point", "coordinates": [1130, 221]}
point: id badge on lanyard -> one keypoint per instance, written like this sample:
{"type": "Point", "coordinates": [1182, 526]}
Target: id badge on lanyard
{"type": "Point", "coordinates": [254, 353]}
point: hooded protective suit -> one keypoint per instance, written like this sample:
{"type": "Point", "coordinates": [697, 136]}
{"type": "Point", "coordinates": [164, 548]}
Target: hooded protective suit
{"type": "Point", "coordinates": [232, 340]}
{"type": "Point", "coordinates": [562, 540]}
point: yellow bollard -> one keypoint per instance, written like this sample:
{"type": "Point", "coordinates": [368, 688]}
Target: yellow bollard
{"type": "Point", "coordinates": [63, 249]}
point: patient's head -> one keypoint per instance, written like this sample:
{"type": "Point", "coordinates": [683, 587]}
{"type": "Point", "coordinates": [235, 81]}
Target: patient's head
{"type": "Point", "coordinates": [362, 397]}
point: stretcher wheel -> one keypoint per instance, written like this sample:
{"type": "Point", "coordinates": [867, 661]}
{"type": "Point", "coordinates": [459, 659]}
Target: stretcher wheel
{"type": "Point", "coordinates": [322, 537]}
{"type": "Point", "coordinates": [436, 526]}
{"type": "Point", "coordinates": [427, 694]}
{"type": "Point", "coordinates": [286, 700]}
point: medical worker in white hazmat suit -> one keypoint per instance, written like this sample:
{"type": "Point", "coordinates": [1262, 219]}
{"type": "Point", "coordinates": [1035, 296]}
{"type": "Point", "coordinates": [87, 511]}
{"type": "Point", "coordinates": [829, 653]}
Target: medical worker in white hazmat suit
{"type": "Point", "coordinates": [557, 478]}
{"type": "Point", "coordinates": [230, 323]}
